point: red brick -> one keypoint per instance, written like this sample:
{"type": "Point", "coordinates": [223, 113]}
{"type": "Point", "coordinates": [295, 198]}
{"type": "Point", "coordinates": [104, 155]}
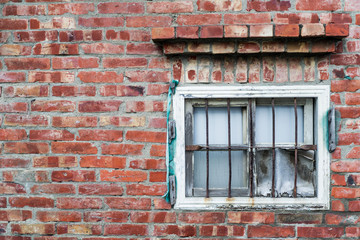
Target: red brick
{"type": "Point", "coordinates": [327, 18]}
{"type": "Point", "coordinates": [55, 161]}
{"type": "Point", "coordinates": [148, 76]}
{"type": "Point", "coordinates": [270, 5]}
{"type": "Point", "coordinates": [25, 120]}
{"type": "Point", "coordinates": [128, 203]}
{"type": "Point", "coordinates": [13, 107]}
{"type": "Point", "coordinates": [206, 217]}
{"type": "Point", "coordinates": [102, 48]}
{"type": "Point", "coordinates": [53, 106]}
{"type": "Point", "coordinates": [4, 36]}
{"type": "Point", "coordinates": [150, 217]}
{"type": "Point", "coordinates": [268, 231]}
{"type": "Point", "coordinates": [251, 217]}
{"type": "Point", "coordinates": [157, 177]}
{"type": "Point", "coordinates": [296, 18]}
{"type": "Point", "coordinates": [348, 138]}
{"type": "Point", "coordinates": [74, 122]}
{"type": "Point", "coordinates": [75, 63]}
{"type": "Point", "coordinates": [147, 106]}
{"type": "Point", "coordinates": [343, 192]}
{"type": "Point", "coordinates": [80, 35]}
{"type": "Point", "coordinates": [286, 30]}
{"type": "Point", "coordinates": [122, 149]}
{"type": "Point", "coordinates": [148, 164]}
{"type": "Point", "coordinates": [27, 63]}
{"type": "Point", "coordinates": [219, 6]}
{"type": "Point", "coordinates": [320, 232]}
{"type": "Point", "coordinates": [163, 33]}
{"type": "Point", "coordinates": [352, 231]}
{"type": "Point", "coordinates": [337, 30]}
{"type": "Point", "coordinates": [187, 32]}
{"type": "Point", "coordinates": [26, 147]}
{"type": "Point", "coordinates": [352, 98]}
{"type": "Point", "coordinates": [100, 77]}
{"type": "Point", "coordinates": [336, 219]}
{"type": "Point", "coordinates": [13, 24]}
{"type": "Point", "coordinates": [182, 231]}
{"type": "Point", "coordinates": [101, 22]}
{"type": "Point", "coordinates": [54, 23]}
{"type": "Point", "coordinates": [122, 176]}
{"type": "Point", "coordinates": [357, 19]}
{"type": "Point", "coordinates": [13, 162]}
{"type": "Point", "coordinates": [101, 189]}
{"type": "Point", "coordinates": [121, 8]}
{"type": "Point", "coordinates": [35, 36]}
{"type": "Point", "coordinates": [319, 5]}
{"type": "Point", "coordinates": [143, 136]}
{"type": "Point", "coordinates": [140, 189]}
{"type": "Point", "coordinates": [346, 166]}
{"type": "Point", "coordinates": [349, 112]}
{"type": "Point", "coordinates": [352, 5]}
{"type": "Point", "coordinates": [161, 204]}
{"type": "Point", "coordinates": [65, 91]}
{"type": "Point", "coordinates": [72, 8]}
{"type": "Point", "coordinates": [126, 229]}
{"type": "Point", "coordinates": [45, 229]}
{"type": "Point", "coordinates": [100, 135]}
{"type": "Point", "coordinates": [129, 35]}
{"type": "Point", "coordinates": [174, 48]}
{"type": "Point", "coordinates": [53, 189]}
{"type": "Point", "coordinates": [18, 10]}
{"type": "Point", "coordinates": [312, 30]}
{"type": "Point", "coordinates": [338, 180]}
{"type": "Point", "coordinates": [51, 77]}
{"type": "Point", "coordinates": [158, 151]}
{"type": "Point", "coordinates": [337, 205]}
{"type": "Point", "coordinates": [169, 7]}
{"type": "Point", "coordinates": [212, 32]}
{"type": "Point", "coordinates": [112, 216]}
{"type": "Point", "coordinates": [73, 147]}
{"type": "Point", "coordinates": [78, 203]}
{"type": "Point", "coordinates": [203, 19]}
{"type": "Point", "coordinates": [354, 206]}
{"type": "Point", "coordinates": [27, 91]}
{"type": "Point", "coordinates": [11, 188]}
{"type": "Point", "coordinates": [12, 77]}
{"type": "Point", "coordinates": [14, 50]}
{"type": "Point", "coordinates": [143, 48]}
{"type": "Point", "coordinates": [124, 62]}
{"type": "Point", "coordinates": [34, 202]}
{"type": "Point", "coordinates": [354, 153]}
{"type": "Point", "coordinates": [56, 135]}
{"type": "Point", "coordinates": [345, 85]}
{"type": "Point", "coordinates": [122, 121]}
{"type": "Point", "coordinates": [299, 218]}
{"type": "Point", "coordinates": [15, 215]}
{"type": "Point", "coordinates": [56, 49]}
{"type": "Point", "coordinates": [73, 176]}
{"type": "Point", "coordinates": [236, 31]}
{"type": "Point", "coordinates": [99, 106]}
{"type": "Point", "coordinates": [63, 216]}
{"type": "Point", "coordinates": [247, 18]}
{"type": "Point", "coordinates": [148, 21]}
{"type": "Point", "coordinates": [222, 230]}
{"type": "Point", "coordinates": [102, 162]}
{"type": "Point", "coordinates": [84, 229]}
{"type": "Point", "coordinates": [157, 89]}
{"type": "Point", "coordinates": [12, 134]}
{"type": "Point", "coordinates": [323, 46]}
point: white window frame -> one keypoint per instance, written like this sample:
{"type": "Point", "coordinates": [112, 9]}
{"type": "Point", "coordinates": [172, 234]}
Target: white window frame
{"type": "Point", "coordinates": [322, 95]}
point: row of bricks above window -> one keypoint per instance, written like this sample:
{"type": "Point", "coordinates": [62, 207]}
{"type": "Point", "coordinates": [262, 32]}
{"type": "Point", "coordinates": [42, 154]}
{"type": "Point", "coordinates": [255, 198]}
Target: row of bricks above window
{"type": "Point", "coordinates": [246, 47]}
{"type": "Point", "coordinates": [244, 31]}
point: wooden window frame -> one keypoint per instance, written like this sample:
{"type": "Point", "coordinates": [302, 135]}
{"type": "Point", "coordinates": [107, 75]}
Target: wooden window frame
{"type": "Point", "coordinates": [320, 93]}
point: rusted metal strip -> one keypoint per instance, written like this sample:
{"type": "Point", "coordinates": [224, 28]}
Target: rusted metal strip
{"type": "Point", "coordinates": [273, 148]}
{"type": "Point", "coordinates": [229, 145]}
{"type": "Point", "coordinates": [296, 150]}
{"type": "Point", "coordinates": [192, 148]}
{"type": "Point", "coordinates": [251, 154]}
{"type": "Point", "coordinates": [207, 146]}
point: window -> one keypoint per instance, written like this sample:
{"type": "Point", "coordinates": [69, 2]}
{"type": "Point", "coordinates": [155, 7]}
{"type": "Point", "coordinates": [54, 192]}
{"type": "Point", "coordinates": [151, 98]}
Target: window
{"type": "Point", "coordinates": [240, 146]}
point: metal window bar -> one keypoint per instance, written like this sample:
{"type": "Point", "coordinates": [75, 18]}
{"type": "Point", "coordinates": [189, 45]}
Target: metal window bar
{"type": "Point", "coordinates": [207, 146]}
{"type": "Point", "coordinates": [229, 145]}
{"type": "Point", "coordinates": [251, 147]}
{"type": "Point", "coordinates": [273, 148]}
{"type": "Point", "coordinates": [296, 150]}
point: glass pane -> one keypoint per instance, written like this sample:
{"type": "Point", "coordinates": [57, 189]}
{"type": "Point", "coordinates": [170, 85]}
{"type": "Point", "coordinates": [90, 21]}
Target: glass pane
{"type": "Point", "coordinates": [218, 125]}
{"type": "Point", "coordinates": [284, 124]}
{"type": "Point", "coordinates": [284, 173]}
{"type": "Point", "coordinates": [219, 169]}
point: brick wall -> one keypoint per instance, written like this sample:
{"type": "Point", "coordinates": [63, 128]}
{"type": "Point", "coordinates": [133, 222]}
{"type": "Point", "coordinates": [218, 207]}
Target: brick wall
{"type": "Point", "coordinates": [82, 112]}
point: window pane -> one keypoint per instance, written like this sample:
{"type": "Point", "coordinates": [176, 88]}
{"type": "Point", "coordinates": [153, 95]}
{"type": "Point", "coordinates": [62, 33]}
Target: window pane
{"type": "Point", "coordinates": [218, 125]}
{"type": "Point", "coordinates": [219, 169]}
{"type": "Point", "coordinates": [284, 124]}
{"type": "Point", "coordinates": [284, 173]}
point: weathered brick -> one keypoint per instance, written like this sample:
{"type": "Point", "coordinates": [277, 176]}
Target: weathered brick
{"type": "Point", "coordinates": [101, 189]}
{"type": "Point", "coordinates": [63, 216]}
{"type": "Point", "coordinates": [73, 8]}
{"type": "Point", "coordinates": [33, 229]}
{"type": "Point", "coordinates": [269, 231]}
{"type": "Point", "coordinates": [251, 217]}
{"type": "Point", "coordinates": [35, 202]}
{"type": "Point", "coordinates": [320, 232]}
{"type": "Point", "coordinates": [126, 229]}
{"type": "Point", "coordinates": [178, 230]}
{"type": "Point", "coordinates": [121, 7]}
{"type": "Point", "coordinates": [78, 203]}
{"type": "Point", "coordinates": [73, 176]}
{"type": "Point", "coordinates": [128, 203]}
{"type": "Point", "coordinates": [53, 189]}
{"type": "Point", "coordinates": [113, 216]}
{"type": "Point", "coordinates": [206, 217]}
{"type": "Point", "coordinates": [140, 189]}
{"type": "Point", "coordinates": [101, 22]}
{"type": "Point", "coordinates": [320, 5]}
